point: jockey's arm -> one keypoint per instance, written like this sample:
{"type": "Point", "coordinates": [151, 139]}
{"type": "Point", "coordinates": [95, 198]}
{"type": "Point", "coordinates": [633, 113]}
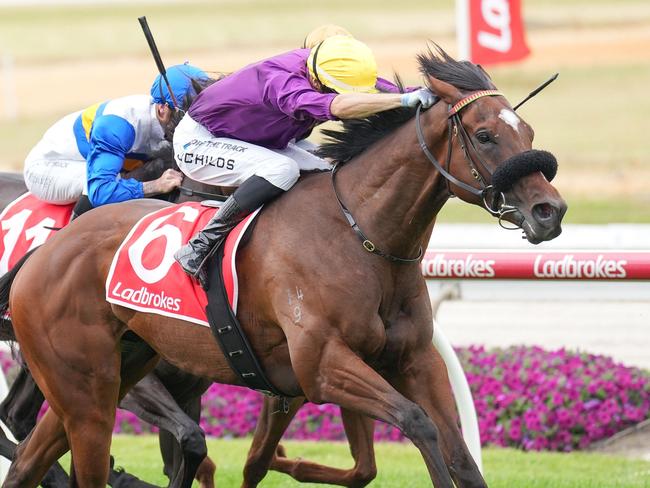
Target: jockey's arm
{"type": "Point", "coordinates": [111, 139]}
{"type": "Point", "coordinates": [360, 105]}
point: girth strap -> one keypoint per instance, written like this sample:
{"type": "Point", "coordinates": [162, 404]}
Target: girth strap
{"type": "Point", "coordinates": [230, 336]}
{"type": "Point", "coordinates": [195, 193]}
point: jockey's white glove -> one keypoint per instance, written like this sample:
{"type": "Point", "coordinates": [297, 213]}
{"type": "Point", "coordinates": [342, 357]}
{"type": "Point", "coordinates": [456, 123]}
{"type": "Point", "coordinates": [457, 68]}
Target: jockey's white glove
{"type": "Point", "coordinates": [422, 96]}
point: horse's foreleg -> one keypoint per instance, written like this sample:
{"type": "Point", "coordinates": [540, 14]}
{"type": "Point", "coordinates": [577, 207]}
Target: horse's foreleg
{"type": "Point", "coordinates": [331, 372]}
{"type": "Point", "coordinates": [359, 430]}
{"type": "Point", "coordinates": [152, 402]}
{"type": "Point", "coordinates": [425, 382]}
{"type": "Point", "coordinates": [32, 458]}
{"type": "Point", "coordinates": [271, 424]}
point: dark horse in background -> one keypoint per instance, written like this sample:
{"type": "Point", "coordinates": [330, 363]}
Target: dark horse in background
{"type": "Point", "coordinates": [170, 399]}
{"type": "Point", "coordinates": [363, 337]}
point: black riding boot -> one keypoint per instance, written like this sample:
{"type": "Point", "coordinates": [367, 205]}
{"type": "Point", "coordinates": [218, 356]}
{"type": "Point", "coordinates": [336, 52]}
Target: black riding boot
{"type": "Point", "coordinates": [253, 193]}
{"type": "Point", "coordinates": [193, 256]}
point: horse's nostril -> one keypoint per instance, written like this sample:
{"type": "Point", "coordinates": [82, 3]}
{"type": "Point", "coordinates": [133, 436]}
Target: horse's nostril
{"type": "Point", "coordinates": [544, 212]}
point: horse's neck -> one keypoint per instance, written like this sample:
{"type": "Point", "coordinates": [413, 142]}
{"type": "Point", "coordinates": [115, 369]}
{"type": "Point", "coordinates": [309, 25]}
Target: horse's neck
{"type": "Point", "coordinates": [393, 191]}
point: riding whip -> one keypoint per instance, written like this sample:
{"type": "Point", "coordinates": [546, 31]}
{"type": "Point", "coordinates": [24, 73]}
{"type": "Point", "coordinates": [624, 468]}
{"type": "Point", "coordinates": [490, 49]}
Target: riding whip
{"type": "Point", "coordinates": [156, 56]}
{"type": "Point", "coordinates": [537, 90]}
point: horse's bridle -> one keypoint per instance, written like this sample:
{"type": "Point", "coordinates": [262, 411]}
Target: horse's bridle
{"type": "Point", "coordinates": [545, 163]}
{"type": "Point", "coordinates": [455, 127]}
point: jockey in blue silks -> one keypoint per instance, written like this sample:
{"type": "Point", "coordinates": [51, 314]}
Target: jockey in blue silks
{"type": "Point", "coordinates": [85, 152]}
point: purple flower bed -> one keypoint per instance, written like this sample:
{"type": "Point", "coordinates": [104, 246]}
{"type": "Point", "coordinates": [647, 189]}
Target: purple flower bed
{"type": "Point", "coordinates": [525, 397]}
{"type": "Point", "coordinates": [553, 400]}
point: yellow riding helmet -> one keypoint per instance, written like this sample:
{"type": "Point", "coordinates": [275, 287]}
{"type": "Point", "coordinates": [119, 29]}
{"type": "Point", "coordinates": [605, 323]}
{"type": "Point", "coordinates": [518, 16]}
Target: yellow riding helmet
{"type": "Point", "coordinates": [319, 34]}
{"type": "Point", "coordinates": [344, 65]}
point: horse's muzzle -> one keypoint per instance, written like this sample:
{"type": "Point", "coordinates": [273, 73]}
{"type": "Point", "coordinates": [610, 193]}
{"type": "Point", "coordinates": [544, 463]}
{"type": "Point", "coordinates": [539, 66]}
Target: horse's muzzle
{"type": "Point", "coordinates": [545, 220]}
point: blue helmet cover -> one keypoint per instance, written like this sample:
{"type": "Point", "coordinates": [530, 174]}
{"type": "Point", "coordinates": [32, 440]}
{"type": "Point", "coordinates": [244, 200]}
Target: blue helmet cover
{"type": "Point", "coordinates": [180, 79]}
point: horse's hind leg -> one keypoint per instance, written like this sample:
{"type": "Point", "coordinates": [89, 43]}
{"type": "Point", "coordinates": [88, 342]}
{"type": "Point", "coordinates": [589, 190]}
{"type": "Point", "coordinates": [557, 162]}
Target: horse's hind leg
{"type": "Point", "coordinates": [19, 411]}
{"type": "Point", "coordinates": [359, 430]}
{"type": "Point", "coordinates": [89, 427]}
{"type": "Point", "coordinates": [46, 443]}
{"type": "Point", "coordinates": [81, 382]}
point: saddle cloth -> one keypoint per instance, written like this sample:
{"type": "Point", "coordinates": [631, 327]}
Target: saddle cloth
{"type": "Point", "coordinates": [144, 275]}
{"type": "Point", "coordinates": [26, 223]}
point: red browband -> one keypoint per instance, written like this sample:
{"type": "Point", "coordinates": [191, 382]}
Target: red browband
{"type": "Point", "coordinates": [473, 97]}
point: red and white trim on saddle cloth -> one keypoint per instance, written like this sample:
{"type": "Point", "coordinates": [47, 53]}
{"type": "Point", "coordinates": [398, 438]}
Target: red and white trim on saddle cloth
{"type": "Point", "coordinates": [144, 275]}
{"type": "Point", "coordinates": [26, 223]}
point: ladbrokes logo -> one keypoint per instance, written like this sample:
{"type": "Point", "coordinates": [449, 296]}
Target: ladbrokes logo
{"type": "Point", "coordinates": [469, 267]}
{"type": "Point", "coordinates": [570, 267]}
{"type": "Point", "coordinates": [146, 298]}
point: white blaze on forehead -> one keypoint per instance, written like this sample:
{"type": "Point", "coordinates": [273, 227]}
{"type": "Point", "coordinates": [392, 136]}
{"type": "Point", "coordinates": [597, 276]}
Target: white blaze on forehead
{"type": "Point", "coordinates": [510, 118]}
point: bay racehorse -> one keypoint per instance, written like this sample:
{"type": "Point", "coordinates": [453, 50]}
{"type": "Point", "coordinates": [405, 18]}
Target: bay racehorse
{"type": "Point", "coordinates": [362, 337]}
{"type": "Point", "coordinates": [170, 399]}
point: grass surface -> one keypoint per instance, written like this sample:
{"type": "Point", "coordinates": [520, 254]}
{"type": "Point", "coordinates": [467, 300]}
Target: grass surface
{"type": "Point", "coordinates": [401, 465]}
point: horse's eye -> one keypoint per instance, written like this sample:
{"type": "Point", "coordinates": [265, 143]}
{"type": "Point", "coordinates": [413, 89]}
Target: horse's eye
{"type": "Point", "coordinates": [483, 137]}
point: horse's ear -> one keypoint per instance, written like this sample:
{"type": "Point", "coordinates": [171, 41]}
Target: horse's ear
{"type": "Point", "coordinates": [446, 91]}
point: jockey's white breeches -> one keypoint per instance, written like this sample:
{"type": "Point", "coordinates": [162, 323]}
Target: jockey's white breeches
{"type": "Point", "coordinates": [221, 161]}
{"type": "Point", "coordinates": [55, 180]}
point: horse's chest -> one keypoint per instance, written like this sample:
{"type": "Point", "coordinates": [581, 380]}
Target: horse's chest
{"type": "Point", "coordinates": [399, 335]}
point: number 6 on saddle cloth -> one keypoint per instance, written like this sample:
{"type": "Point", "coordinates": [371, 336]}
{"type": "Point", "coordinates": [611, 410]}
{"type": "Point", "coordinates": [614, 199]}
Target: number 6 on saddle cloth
{"type": "Point", "coordinates": [144, 276]}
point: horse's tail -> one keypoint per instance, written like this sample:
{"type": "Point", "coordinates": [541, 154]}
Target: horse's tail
{"type": "Point", "coordinates": [6, 329]}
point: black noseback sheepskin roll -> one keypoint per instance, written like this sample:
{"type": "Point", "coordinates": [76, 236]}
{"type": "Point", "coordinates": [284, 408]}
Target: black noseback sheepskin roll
{"type": "Point", "coordinates": [523, 164]}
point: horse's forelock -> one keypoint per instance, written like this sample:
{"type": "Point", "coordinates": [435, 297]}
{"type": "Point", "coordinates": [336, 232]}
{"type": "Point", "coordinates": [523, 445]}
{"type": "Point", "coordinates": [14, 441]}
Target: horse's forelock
{"type": "Point", "coordinates": [462, 74]}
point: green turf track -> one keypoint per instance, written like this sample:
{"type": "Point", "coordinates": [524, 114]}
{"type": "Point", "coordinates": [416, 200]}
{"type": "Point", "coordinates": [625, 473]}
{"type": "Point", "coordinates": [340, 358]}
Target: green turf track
{"type": "Point", "coordinates": [400, 465]}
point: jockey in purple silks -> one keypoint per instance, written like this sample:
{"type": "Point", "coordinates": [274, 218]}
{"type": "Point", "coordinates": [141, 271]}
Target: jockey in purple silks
{"type": "Point", "coordinates": [248, 129]}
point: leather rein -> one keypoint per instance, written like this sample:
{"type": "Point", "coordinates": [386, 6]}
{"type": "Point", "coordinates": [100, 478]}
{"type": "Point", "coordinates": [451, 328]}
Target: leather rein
{"type": "Point", "coordinates": [455, 127]}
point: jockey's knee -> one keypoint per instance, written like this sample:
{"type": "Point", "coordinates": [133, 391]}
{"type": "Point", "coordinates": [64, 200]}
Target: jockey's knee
{"type": "Point", "coordinates": [283, 173]}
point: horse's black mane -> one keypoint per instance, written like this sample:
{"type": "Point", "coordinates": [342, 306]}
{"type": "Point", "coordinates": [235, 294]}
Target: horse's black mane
{"type": "Point", "coordinates": [358, 134]}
